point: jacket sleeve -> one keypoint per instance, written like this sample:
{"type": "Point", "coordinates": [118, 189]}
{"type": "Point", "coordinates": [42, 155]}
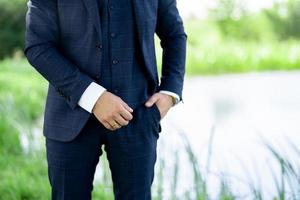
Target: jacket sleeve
{"type": "Point", "coordinates": [42, 52]}
{"type": "Point", "coordinates": [170, 30]}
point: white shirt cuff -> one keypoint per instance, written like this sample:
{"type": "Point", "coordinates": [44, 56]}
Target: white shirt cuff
{"type": "Point", "coordinates": [171, 94]}
{"type": "Point", "coordinates": [90, 96]}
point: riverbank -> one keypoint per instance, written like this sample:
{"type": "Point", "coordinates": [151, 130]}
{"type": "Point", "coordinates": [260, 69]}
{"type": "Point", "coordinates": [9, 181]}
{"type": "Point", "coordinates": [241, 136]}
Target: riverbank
{"type": "Point", "coordinates": [216, 135]}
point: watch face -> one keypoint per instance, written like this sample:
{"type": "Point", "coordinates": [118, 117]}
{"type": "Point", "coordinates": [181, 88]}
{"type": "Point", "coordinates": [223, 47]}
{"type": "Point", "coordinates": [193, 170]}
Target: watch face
{"type": "Point", "coordinates": [174, 100]}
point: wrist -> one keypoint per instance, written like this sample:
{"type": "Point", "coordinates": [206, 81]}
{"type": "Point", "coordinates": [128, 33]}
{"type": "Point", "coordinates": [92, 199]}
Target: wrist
{"type": "Point", "coordinates": [98, 101]}
{"type": "Point", "coordinates": [173, 96]}
{"type": "Point", "coordinates": [170, 98]}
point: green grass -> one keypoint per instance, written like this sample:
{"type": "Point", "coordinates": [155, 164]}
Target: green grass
{"type": "Point", "coordinates": [210, 52]}
{"type": "Point", "coordinates": [238, 57]}
{"type": "Point", "coordinates": [21, 102]}
{"type": "Point", "coordinates": [286, 183]}
{"type": "Point", "coordinates": [23, 176]}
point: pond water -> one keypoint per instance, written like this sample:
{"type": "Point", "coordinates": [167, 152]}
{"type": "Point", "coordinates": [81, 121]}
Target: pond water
{"type": "Point", "coordinates": [226, 120]}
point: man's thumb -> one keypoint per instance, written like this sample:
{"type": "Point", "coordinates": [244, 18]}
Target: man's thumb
{"type": "Point", "coordinates": [151, 101]}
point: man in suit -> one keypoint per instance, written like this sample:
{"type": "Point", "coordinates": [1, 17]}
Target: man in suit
{"type": "Point", "coordinates": [99, 59]}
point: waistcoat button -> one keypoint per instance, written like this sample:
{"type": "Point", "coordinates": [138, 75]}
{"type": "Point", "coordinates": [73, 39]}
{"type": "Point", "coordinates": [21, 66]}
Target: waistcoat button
{"type": "Point", "coordinates": [112, 35]}
{"type": "Point", "coordinates": [115, 61]}
{"type": "Point", "coordinates": [99, 46]}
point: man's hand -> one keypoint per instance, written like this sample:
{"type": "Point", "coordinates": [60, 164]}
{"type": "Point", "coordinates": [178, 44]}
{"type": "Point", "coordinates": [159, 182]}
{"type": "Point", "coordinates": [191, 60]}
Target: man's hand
{"type": "Point", "coordinates": [112, 111]}
{"type": "Point", "coordinates": [163, 101]}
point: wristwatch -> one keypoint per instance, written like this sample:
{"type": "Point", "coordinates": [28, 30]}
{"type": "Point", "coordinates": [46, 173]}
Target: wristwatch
{"type": "Point", "coordinates": [174, 100]}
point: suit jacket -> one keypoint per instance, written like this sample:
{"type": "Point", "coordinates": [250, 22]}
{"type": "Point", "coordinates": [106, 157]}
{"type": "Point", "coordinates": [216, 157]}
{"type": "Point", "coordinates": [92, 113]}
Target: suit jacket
{"type": "Point", "coordinates": [63, 43]}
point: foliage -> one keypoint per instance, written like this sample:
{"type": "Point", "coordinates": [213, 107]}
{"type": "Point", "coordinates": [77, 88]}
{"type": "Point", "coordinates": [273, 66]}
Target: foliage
{"type": "Point", "coordinates": [209, 52]}
{"type": "Point", "coordinates": [12, 23]}
{"type": "Point", "coordinates": [256, 27]}
{"type": "Point", "coordinates": [285, 18]}
{"type": "Point", "coordinates": [235, 20]}
{"type": "Point", "coordinates": [21, 91]}
{"type": "Point", "coordinates": [9, 143]}
{"type": "Point", "coordinates": [23, 178]}
{"type": "Point", "coordinates": [24, 175]}
{"type": "Point", "coordinates": [216, 54]}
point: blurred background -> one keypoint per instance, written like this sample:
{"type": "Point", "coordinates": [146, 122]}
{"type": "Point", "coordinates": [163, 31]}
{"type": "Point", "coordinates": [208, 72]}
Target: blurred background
{"type": "Point", "coordinates": [237, 134]}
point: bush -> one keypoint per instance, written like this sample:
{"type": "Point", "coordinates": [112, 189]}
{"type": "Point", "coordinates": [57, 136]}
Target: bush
{"type": "Point", "coordinates": [12, 23]}
{"type": "Point", "coordinates": [285, 19]}
{"type": "Point", "coordinates": [209, 52]}
{"type": "Point", "coordinates": [254, 27]}
{"type": "Point", "coordinates": [23, 174]}
{"type": "Point", "coordinates": [235, 21]}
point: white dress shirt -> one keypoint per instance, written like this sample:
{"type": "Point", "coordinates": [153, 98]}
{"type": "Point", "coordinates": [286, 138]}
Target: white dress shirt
{"type": "Point", "coordinates": [94, 91]}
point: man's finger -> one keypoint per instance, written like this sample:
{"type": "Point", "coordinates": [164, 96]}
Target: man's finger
{"type": "Point", "coordinates": [126, 114]}
{"type": "Point", "coordinates": [113, 125]}
{"type": "Point", "coordinates": [152, 100]}
{"type": "Point", "coordinates": [127, 107]}
{"type": "Point", "coordinates": [120, 120]}
{"type": "Point", "coordinates": [107, 125]}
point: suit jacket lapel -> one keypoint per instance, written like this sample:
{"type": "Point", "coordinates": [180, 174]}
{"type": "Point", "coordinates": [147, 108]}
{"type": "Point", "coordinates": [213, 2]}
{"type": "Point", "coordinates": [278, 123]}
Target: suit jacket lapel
{"type": "Point", "coordinates": [138, 7]}
{"type": "Point", "coordinates": [92, 8]}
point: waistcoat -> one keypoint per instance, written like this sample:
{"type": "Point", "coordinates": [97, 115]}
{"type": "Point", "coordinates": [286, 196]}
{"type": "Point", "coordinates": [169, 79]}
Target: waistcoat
{"type": "Point", "coordinates": [122, 70]}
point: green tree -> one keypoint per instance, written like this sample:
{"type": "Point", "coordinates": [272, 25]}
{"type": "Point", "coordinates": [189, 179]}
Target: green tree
{"type": "Point", "coordinates": [12, 26]}
{"type": "Point", "coordinates": [285, 18]}
{"type": "Point", "coordinates": [236, 21]}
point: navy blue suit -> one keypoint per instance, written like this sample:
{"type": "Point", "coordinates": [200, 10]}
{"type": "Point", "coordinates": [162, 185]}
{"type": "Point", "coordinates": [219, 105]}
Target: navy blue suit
{"type": "Point", "coordinates": [67, 45]}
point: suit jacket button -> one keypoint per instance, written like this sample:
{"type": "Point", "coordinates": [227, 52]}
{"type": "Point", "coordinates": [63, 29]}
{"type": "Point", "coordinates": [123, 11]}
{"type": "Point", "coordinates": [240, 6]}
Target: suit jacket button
{"type": "Point", "coordinates": [99, 46]}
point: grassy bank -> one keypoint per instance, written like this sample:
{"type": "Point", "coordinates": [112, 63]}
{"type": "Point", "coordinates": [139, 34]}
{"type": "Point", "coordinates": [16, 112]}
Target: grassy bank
{"type": "Point", "coordinates": [210, 52]}
{"type": "Point", "coordinates": [23, 174]}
